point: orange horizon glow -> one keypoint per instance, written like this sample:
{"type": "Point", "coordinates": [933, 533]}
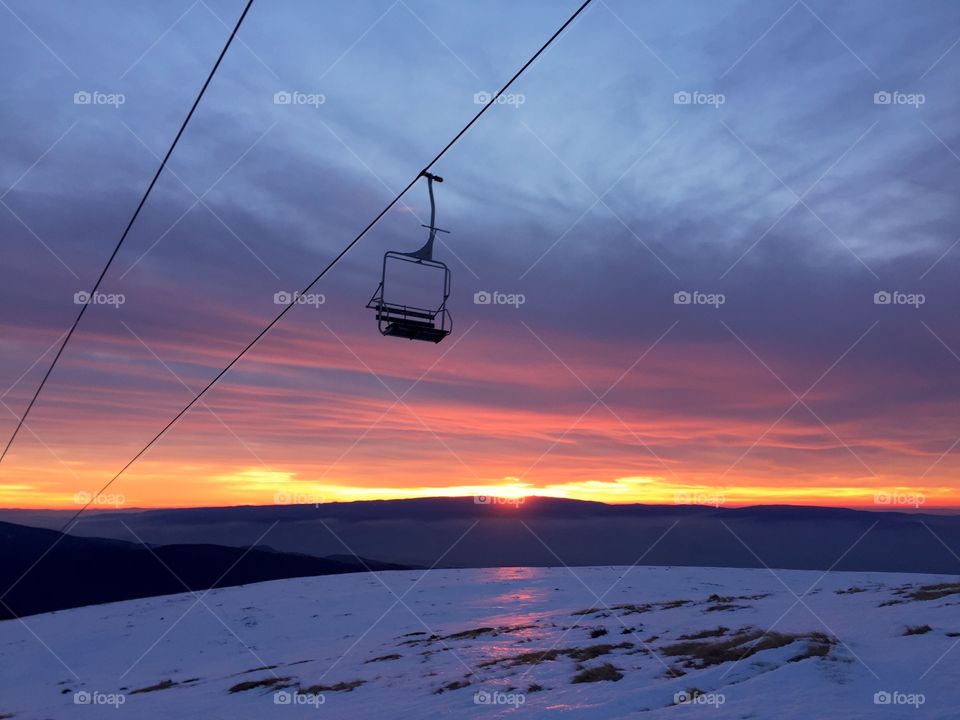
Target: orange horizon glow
{"type": "Point", "coordinates": [260, 487]}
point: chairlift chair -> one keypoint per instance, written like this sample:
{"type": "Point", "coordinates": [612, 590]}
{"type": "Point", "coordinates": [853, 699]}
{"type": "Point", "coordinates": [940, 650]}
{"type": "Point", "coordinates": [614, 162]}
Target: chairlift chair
{"type": "Point", "coordinates": [397, 319]}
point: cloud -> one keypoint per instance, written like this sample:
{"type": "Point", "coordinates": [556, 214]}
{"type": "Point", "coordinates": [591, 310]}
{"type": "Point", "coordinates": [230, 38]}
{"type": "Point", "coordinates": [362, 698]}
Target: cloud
{"type": "Point", "coordinates": [700, 198]}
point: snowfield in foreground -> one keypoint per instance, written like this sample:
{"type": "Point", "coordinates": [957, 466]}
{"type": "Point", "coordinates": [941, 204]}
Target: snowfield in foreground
{"type": "Point", "coordinates": [599, 642]}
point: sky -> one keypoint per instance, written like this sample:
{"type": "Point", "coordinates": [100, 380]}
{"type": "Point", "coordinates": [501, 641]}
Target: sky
{"type": "Point", "coordinates": [720, 238]}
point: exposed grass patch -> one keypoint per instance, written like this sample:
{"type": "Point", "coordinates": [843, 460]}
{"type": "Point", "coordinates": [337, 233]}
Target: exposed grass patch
{"type": "Point", "coordinates": [917, 630]}
{"type": "Point", "coordinates": [626, 608]}
{"type": "Point", "coordinates": [470, 634]}
{"type": "Point", "coordinates": [850, 591]}
{"type": "Point", "coordinates": [421, 640]}
{"type": "Point", "coordinates": [635, 608]}
{"type": "Point", "coordinates": [455, 685]}
{"type": "Point", "coordinates": [922, 593]}
{"type": "Point", "coordinates": [730, 598]}
{"type": "Point", "coordinates": [162, 685]}
{"type": "Point", "coordinates": [744, 643]}
{"type": "Point", "coordinates": [384, 658]}
{"type": "Point", "coordinates": [704, 634]}
{"type": "Point", "coordinates": [819, 646]}
{"type": "Point", "coordinates": [535, 657]}
{"type": "Point", "coordinates": [934, 592]}
{"type": "Point", "coordinates": [724, 607]}
{"type": "Point", "coordinates": [600, 673]}
{"type": "Point", "coordinates": [338, 687]}
{"type": "Point", "coordinates": [597, 632]}
{"type": "Point", "coordinates": [535, 688]}
{"type": "Point", "coordinates": [272, 683]}
{"type": "Point", "coordinates": [592, 651]}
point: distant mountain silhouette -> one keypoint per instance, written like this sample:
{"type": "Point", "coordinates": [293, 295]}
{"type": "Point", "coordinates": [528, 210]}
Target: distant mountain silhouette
{"type": "Point", "coordinates": [86, 571]}
{"type": "Point", "coordinates": [458, 532]}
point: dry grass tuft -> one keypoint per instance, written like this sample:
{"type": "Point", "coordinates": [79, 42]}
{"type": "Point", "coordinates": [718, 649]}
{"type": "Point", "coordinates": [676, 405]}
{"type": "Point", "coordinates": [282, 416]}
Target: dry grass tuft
{"type": "Point", "coordinates": [601, 673]}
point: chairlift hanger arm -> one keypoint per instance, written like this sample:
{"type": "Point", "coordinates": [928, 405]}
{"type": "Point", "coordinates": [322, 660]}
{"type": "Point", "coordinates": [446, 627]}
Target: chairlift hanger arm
{"type": "Point", "coordinates": [426, 252]}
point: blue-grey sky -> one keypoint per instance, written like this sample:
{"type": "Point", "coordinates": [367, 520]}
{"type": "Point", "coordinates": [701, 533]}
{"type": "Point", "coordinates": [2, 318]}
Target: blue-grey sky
{"type": "Point", "coordinates": [790, 160]}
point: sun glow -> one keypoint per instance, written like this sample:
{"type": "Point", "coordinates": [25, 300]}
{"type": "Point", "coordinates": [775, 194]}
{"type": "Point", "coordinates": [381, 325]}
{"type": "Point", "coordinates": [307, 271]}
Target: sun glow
{"type": "Point", "coordinates": [191, 485]}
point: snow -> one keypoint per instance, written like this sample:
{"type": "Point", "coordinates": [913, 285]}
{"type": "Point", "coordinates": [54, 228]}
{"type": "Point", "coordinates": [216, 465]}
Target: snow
{"type": "Point", "coordinates": [326, 630]}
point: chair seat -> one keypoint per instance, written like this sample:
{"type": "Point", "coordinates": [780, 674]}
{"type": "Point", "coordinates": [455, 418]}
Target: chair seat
{"type": "Point", "coordinates": [415, 330]}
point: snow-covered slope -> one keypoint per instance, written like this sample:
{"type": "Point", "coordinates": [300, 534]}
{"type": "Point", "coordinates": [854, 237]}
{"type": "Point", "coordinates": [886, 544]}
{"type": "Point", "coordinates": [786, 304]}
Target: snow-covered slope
{"type": "Point", "coordinates": [601, 643]}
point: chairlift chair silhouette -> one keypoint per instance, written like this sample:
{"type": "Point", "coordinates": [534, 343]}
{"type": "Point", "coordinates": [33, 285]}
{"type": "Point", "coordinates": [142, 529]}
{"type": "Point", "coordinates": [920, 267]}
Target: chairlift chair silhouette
{"type": "Point", "coordinates": [398, 319]}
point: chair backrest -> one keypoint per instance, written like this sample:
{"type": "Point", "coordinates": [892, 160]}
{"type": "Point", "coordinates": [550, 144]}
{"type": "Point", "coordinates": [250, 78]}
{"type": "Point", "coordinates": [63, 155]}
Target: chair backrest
{"type": "Point", "coordinates": [414, 283]}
